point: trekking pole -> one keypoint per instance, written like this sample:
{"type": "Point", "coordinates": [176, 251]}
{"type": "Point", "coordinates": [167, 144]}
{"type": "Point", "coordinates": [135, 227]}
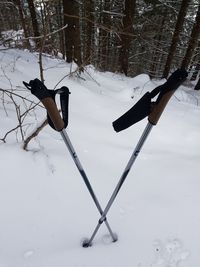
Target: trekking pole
{"type": "Point", "coordinates": [58, 123]}
{"type": "Point", "coordinates": [144, 107]}
{"type": "Point", "coordinates": [83, 174]}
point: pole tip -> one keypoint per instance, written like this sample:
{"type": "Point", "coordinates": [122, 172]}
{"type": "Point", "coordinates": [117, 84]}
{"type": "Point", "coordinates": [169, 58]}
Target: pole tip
{"type": "Point", "coordinates": [86, 243]}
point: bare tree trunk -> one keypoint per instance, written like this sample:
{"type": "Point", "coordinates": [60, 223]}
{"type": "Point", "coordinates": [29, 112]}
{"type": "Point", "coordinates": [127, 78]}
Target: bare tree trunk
{"type": "Point", "coordinates": [129, 10]}
{"type": "Point", "coordinates": [196, 71]}
{"type": "Point", "coordinates": [35, 26]}
{"type": "Point", "coordinates": [23, 22]}
{"type": "Point", "coordinates": [157, 55]}
{"type": "Point", "coordinates": [106, 19]}
{"type": "Point", "coordinates": [99, 32]}
{"type": "Point", "coordinates": [33, 18]}
{"type": "Point", "coordinates": [192, 42]}
{"type": "Point", "coordinates": [89, 14]}
{"type": "Point", "coordinates": [176, 35]}
{"type": "Point", "coordinates": [197, 87]}
{"type": "Point", "coordinates": [72, 32]}
{"type": "Point", "coordinates": [60, 24]}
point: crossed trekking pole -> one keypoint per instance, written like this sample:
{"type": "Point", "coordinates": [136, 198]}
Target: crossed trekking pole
{"type": "Point", "coordinates": [143, 108]}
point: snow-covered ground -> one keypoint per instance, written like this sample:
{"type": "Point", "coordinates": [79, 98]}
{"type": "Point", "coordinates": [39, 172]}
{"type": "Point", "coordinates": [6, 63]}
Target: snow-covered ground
{"type": "Point", "coordinates": [45, 208]}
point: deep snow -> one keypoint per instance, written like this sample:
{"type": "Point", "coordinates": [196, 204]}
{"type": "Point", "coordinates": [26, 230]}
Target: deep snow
{"type": "Point", "coordinates": [45, 208]}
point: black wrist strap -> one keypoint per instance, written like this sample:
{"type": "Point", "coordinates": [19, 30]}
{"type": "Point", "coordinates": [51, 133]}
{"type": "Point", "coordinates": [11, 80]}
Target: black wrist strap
{"type": "Point", "coordinates": [64, 103]}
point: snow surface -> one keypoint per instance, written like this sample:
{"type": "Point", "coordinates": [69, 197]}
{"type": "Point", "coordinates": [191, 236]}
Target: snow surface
{"type": "Point", "coordinates": [45, 208]}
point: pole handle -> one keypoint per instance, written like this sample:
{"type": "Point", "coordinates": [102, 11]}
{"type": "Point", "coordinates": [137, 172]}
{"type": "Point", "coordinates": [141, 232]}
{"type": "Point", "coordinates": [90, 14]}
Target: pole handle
{"type": "Point", "coordinates": [172, 84]}
{"type": "Point", "coordinates": [53, 113]}
{"type": "Point", "coordinates": [157, 109]}
{"type": "Point", "coordinates": [47, 97]}
{"type": "Point", "coordinates": [145, 107]}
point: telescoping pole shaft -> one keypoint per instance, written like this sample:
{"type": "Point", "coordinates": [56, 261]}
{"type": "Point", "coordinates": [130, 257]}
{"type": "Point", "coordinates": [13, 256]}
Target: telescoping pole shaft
{"type": "Point", "coordinates": [85, 178]}
{"type": "Point", "coordinates": [59, 124]}
{"type": "Point", "coordinates": [173, 82]}
{"type": "Point", "coordinates": [122, 179]}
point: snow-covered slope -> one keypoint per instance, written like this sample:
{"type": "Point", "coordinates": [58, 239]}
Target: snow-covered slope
{"type": "Point", "coordinates": [45, 208]}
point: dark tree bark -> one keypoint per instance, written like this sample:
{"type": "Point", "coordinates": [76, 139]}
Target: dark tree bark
{"type": "Point", "coordinates": [72, 32]}
{"type": "Point", "coordinates": [129, 10]}
{"type": "Point", "coordinates": [156, 54]}
{"type": "Point", "coordinates": [192, 42]}
{"type": "Point", "coordinates": [88, 31]}
{"type": "Point", "coordinates": [9, 16]}
{"type": "Point", "coordinates": [105, 36]}
{"type": "Point", "coordinates": [176, 35]}
{"type": "Point", "coordinates": [196, 71]}
{"type": "Point", "coordinates": [33, 18]}
{"type": "Point", "coordinates": [99, 32]}
{"type": "Point", "coordinates": [197, 86]}
{"type": "Point", "coordinates": [22, 18]}
{"type": "Point", "coordinates": [60, 24]}
{"type": "Point", "coordinates": [195, 66]}
{"type": "Point", "coordinates": [23, 22]}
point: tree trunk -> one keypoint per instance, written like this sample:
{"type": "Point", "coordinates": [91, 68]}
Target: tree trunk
{"type": "Point", "coordinates": [176, 35]}
{"type": "Point", "coordinates": [105, 37]}
{"type": "Point", "coordinates": [157, 54]}
{"type": "Point", "coordinates": [22, 18]}
{"type": "Point", "coordinates": [60, 25]}
{"type": "Point", "coordinates": [129, 10]}
{"type": "Point", "coordinates": [192, 42]}
{"type": "Point", "coordinates": [88, 30]}
{"type": "Point", "coordinates": [196, 71]}
{"type": "Point", "coordinates": [35, 26]}
{"type": "Point", "coordinates": [197, 87]}
{"type": "Point", "coordinates": [23, 22]}
{"type": "Point", "coordinates": [72, 32]}
{"type": "Point", "coordinates": [99, 32]}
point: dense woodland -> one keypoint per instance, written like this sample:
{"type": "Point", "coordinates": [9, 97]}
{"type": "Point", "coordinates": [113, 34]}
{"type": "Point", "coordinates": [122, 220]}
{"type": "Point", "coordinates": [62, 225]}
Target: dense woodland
{"type": "Point", "coordinates": [129, 36]}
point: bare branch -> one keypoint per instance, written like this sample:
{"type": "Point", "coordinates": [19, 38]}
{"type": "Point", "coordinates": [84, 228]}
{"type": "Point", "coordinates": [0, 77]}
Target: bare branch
{"type": "Point", "coordinates": [34, 134]}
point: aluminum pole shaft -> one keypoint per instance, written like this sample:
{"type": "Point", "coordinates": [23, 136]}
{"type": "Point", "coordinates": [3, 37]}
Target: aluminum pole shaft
{"type": "Point", "coordinates": [122, 178]}
{"type": "Point", "coordinates": [85, 178]}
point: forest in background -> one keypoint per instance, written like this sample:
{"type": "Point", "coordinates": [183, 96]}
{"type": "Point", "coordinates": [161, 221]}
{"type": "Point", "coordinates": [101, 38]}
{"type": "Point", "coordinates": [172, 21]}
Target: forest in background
{"type": "Point", "coordinates": [131, 36]}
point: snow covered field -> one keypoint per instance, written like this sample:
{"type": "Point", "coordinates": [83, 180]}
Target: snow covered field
{"type": "Point", "coordinates": [45, 208]}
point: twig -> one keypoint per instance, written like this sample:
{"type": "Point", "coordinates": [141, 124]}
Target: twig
{"type": "Point", "coordinates": [7, 92]}
{"type": "Point", "coordinates": [14, 129]}
{"type": "Point", "coordinates": [34, 134]}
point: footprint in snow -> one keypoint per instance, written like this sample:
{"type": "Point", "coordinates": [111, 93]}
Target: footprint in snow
{"type": "Point", "coordinates": [28, 254]}
{"type": "Point", "coordinates": [169, 254]}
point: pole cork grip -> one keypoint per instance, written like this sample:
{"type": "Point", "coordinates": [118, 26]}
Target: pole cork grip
{"type": "Point", "coordinates": [53, 113]}
{"type": "Point", "coordinates": [158, 109]}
